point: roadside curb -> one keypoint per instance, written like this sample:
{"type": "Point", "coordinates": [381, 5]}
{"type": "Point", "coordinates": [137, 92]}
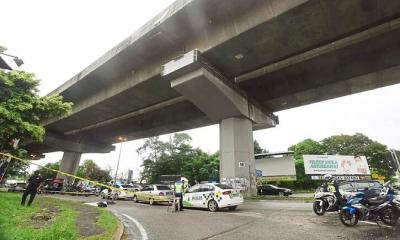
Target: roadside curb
{"type": "Point", "coordinates": [120, 230]}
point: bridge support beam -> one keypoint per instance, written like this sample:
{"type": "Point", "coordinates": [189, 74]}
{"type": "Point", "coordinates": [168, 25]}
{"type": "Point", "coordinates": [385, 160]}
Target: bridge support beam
{"type": "Point", "coordinates": [69, 164]}
{"type": "Point", "coordinates": [223, 102]}
{"type": "Point", "coordinates": [237, 154]}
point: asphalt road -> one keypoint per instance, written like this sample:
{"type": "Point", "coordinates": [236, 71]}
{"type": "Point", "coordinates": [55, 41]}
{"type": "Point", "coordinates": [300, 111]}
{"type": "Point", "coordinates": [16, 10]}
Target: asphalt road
{"type": "Point", "coordinates": [265, 219]}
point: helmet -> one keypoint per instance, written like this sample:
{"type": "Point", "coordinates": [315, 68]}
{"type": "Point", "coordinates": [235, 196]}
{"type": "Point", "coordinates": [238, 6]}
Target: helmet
{"type": "Point", "coordinates": [327, 177]}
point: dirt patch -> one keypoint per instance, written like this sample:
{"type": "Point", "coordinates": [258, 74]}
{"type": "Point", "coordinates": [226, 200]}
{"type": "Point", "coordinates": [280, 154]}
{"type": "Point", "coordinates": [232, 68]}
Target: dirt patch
{"type": "Point", "coordinates": [44, 217]}
{"type": "Point", "coordinates": [86, 221]}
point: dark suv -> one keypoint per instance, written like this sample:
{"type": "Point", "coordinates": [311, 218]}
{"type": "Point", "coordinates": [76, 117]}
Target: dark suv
{"type": "Point", "coordinates": [371, 188]}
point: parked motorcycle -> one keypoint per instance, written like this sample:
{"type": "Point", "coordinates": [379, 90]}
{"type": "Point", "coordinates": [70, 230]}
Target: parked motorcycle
{"type": "Point", "coordinates": [359, 207]}
{"type": "Point", "coordinates": [326, 202]}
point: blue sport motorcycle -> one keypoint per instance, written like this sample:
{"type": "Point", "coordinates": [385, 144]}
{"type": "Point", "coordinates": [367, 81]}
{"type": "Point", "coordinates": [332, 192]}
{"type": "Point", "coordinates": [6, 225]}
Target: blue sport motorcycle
{"type": "Point", "coordinates": [359, 207]}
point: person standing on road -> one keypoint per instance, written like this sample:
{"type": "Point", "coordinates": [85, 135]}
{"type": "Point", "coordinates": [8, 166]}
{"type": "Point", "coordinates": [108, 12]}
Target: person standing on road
{"type": "Point", "coordinates": [34, 182]}
{"type": "Point", "coordinates": [179, 193]}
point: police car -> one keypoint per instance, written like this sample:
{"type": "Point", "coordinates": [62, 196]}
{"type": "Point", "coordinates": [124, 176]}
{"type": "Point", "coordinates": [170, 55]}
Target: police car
{"type": "Point", "coordinates": [212, 196]}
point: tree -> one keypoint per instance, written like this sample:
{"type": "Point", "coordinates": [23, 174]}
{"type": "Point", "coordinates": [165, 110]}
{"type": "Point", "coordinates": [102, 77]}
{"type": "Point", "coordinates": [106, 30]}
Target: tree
{"type": "Point", "coordinates": [307, 146]}
{"type": "Point", "coordinates": [48, 174]}
{"type": "Point", "coordinates": [152, 148]}
{"type": "Point", "coordinates": [360, 145]}
{"type": "Point", "coordinates": [176, 157]}
{"type": "Point", "coordinates": [22, 110]}
{"type": "Point", "coordinates": [258, 149]}
{"type": "Point", "coordinates": [90, 170]}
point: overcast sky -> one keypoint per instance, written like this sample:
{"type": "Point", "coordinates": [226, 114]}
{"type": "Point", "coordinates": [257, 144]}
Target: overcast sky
{"type": "Point", "coordinates": [57, 39]}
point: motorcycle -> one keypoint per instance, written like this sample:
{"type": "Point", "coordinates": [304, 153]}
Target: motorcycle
{"type": "Point", "coordinates": [326, 202]}
{"type": "Point", "coordinates": [359, 207]}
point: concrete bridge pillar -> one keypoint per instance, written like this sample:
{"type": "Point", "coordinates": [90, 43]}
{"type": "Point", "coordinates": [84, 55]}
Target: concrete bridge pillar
{"type": "Point", "coordinates": [237, 154]}
{"type": "Point", "coordinates": [69, 164]}
{"type": "Point", "coordinates": [222, 102]}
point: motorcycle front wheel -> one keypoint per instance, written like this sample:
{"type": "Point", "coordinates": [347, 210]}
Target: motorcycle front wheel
{"type": "Point", "coordinates": [389, 216]}
{"type": "Point", "coordinates": [318, 208]}
{"type": "Point", "coordinates": [349, 220]}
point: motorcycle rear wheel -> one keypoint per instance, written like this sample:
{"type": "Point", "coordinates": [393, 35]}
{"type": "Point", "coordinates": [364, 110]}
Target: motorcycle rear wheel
{"type": "Point", "coordinates": [349, 220]}
{"type": "Point", "coordinates": [389, 216]}
{"type": "Point", "coordinates": [318, 209]}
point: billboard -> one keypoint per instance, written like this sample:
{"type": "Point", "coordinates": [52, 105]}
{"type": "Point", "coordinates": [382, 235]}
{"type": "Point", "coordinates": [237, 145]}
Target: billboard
{"type": "Point", "coordinates": [336, 165]}
{"type": "Point", "coordinates": [276, 168]}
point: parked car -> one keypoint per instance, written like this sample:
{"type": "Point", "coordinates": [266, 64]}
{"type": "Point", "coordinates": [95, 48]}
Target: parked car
{"type": "Point", "coordinates": [55, 184]}
{"type": "Point", "coordinates": [15, 185]}
{"type": "Point", "coordinates": [126, 193]}
{"type": "Point", "coordinates": [154, 193]}
{"type": "Point", "coordinates": [212, 196]}
{"type": "Point", "coordinates": [269, 189]}
{"type": "Point", "coordinates": [371, 188]}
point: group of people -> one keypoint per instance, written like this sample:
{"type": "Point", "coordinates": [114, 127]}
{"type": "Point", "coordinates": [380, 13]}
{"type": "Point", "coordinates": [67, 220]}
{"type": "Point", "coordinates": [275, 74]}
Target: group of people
{"type": "Point", "coordinates": [35, 182]}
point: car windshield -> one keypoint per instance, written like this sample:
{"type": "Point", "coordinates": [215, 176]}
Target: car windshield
{"type": "Point", "coordinates": [223, 186]}
{"type": "Point", "coordinates": [126, 186]}
{"type": "Point", "coordinates": [161, 187]}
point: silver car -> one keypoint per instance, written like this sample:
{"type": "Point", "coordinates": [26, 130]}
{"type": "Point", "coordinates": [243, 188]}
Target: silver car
{"type": "Point", "coordinates": [154, 193]}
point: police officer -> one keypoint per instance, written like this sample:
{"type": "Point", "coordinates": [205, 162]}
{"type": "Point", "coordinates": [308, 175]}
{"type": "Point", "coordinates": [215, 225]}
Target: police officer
{"type": "Point", "coordinates": [34, 182]}
{"type": "Point", "coordinates": [179, 193]}
{"type": "Point", "coordinates": [330, 185]}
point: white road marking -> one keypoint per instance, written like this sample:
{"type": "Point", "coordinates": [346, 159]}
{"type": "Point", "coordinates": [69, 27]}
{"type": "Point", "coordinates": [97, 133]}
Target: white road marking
{"type": "Point", "coordinates": [372, 223]}
{"type": "Point", "coordinates": [139, 226]}
{"type": "Point", "coordinates": [92, 204]}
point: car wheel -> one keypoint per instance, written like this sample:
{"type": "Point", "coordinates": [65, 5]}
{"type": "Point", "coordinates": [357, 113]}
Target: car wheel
{"type": "Point", "coordinates": [232, 208]}
{"type": "Point", "coordinates": [115, 197]}
{"type": "Point", "coordinates": [151, 201]}
{"type": "Point", "coordinates": [212, 206]}
{"type": "Point", "coordinates": [135, 199]}
{"type": "Point", "coordinates": [281, 194]}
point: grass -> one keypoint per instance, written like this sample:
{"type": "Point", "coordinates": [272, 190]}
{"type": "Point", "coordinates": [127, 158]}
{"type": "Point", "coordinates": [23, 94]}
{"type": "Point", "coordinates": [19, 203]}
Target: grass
{"type": "Point", "coordinates": [107, 221]}
{"type": "Point", "coordinates": [16, 224]}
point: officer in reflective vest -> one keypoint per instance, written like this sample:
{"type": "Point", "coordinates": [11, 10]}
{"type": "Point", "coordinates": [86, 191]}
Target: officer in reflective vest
{"type": "Point", "coordinates": [179, 193]}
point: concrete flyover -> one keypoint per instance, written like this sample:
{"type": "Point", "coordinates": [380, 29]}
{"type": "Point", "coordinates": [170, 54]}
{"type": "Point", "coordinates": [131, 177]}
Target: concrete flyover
{"type": "Point", "coordinates": [253, 58]}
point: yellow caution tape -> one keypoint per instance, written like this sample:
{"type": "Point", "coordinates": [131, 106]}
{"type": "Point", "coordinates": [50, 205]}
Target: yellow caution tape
{"type": "Point", "coordinates": [143, 195]}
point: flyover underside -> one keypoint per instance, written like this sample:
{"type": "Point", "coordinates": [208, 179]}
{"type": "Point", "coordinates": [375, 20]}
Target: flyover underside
{"type": "Point", "coordinates": [359, 67]}
{"type": "Point", "coordinates": [262, 31]}
{"type": "Point", "coordinates": [121, 93]}
{"type": "Point", "coordinates": [174, 118]}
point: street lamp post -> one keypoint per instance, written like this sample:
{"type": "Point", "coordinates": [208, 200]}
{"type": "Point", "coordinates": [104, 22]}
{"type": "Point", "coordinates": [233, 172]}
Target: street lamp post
{"type": "Point", "coordinates": [121, 139]}
{"type": "Point", "coordinates": [18, 61]}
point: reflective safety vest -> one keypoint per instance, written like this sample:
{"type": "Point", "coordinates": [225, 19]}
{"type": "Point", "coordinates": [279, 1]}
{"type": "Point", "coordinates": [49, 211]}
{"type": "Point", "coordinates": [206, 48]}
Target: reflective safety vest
{"type": "Point", "coordinates": [178, 187]}
{"type": "Point", "coordinates": [331, 187]}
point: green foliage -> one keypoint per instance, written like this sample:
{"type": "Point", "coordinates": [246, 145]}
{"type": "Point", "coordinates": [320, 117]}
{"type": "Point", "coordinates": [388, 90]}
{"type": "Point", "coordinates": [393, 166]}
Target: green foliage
{"type": "Point", "coordinates": [307, 146]}
{"type": "Point", "coordinates": [16, 223]}
{"type": "Point", "coordinates": [258, 149]}
{"type": "Point", "coordinates": [90, 170]}
{"type": "Point", "coordinates": [48, 174]}
{"type": "Point", "coordinates": [358, 144]}
{"type": "Point", "coordinates": [15, 220]}
{"type": "Point", "coordinates": [177, 157]}
{"type": "Point", "coordinates": [22, 110]}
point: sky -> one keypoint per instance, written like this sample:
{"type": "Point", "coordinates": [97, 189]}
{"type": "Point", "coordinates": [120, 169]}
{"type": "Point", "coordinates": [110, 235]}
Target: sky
{"type": "Point", "coordinates": [58, 39]}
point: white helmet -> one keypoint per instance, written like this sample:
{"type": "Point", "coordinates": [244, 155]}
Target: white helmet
{"type": "Point", "coordinates": [327, 177]}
